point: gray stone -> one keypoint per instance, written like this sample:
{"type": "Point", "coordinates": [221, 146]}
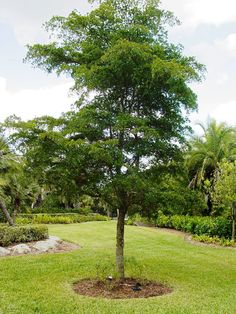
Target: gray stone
{"type": "Point", "coordinates": [44, 246]}
{"type": "Point", "coordinates": [4, 252]}
{"type": "Point", "coordinates": [21, 249]}
{"type": "Point", "coordinates": [55, 238]}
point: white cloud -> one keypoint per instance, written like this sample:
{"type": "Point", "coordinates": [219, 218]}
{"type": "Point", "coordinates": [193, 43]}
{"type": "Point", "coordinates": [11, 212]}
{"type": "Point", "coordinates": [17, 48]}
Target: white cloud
{"type": "Point", "coordinates": [225, 113]}
{"type": "Point", "coordinates": [195, 12]}
{"type": "Point", "coordinates": [26, 16]}
{"type": "Point", "coordinates": [228, 45]}
{"type": "Point", "coordinates": [30, 103]}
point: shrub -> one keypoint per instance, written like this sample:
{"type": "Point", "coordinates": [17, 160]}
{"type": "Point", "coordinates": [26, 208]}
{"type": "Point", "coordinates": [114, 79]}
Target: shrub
{"type": "Point", "coordinates": [213, 240]}
{"type": "Point", "coordinates": [10, 235]}
{"type": "Point", "coordinates": [58, 218]}
{"type": "Point", "coordinates": [137, 219]}
{"type": "Point", "coordinates": [219, 226]}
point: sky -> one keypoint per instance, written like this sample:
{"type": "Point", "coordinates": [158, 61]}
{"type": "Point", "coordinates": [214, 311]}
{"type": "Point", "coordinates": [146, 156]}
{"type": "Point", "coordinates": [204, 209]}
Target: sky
{"type": "Point", "coordinates": [207, 31]}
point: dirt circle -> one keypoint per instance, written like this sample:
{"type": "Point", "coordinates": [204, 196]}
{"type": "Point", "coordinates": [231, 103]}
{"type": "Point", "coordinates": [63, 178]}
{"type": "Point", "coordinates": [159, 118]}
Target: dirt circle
{"type": "Point", "coordinates": [120, 289]}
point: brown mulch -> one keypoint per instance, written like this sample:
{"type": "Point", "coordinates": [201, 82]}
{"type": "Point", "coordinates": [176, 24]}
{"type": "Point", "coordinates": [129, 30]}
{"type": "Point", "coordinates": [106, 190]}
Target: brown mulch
{"type": "Point", "coordinates": [117, 289]}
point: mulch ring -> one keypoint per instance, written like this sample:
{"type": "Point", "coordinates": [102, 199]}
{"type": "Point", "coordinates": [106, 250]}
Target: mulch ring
{"type": "Point", "coordinates": [120, 289]}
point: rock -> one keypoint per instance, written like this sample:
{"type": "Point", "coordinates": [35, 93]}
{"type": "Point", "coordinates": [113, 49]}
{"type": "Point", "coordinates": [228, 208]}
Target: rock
{"type": "Point", "coordinates": [4, 252]}
{"type": "Point", "coordinates": [54, 238]}
{"type": "Point", "coordinates": [21, 249]}
{"type": "Point", "coordinates": [44, 246]}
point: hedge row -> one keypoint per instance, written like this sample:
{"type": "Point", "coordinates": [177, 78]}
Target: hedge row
{"type": "Point", "coordinates": [10, 235]}
{"type": "Point", "coordinates": [218, 226]}
{"type": "Point", "coordinates": [58, 218]}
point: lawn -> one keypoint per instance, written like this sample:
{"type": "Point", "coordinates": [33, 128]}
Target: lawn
{"type": "Point", "coordinates": [203, 279]}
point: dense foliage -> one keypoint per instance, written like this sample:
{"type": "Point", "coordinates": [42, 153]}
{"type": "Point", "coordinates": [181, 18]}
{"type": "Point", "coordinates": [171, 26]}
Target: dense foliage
{"type": "Point", "coordinates": [218, 226]}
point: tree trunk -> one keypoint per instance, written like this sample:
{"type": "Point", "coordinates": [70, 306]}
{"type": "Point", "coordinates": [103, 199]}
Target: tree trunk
{"type": "Point", "coordinates": [233, 221]}
{"type": "Point", "coordinates": [6, 213]}
{"type": "Point", "coordinates": [16, 208]}
{"type": "Point", "coordinates": [120, 243]}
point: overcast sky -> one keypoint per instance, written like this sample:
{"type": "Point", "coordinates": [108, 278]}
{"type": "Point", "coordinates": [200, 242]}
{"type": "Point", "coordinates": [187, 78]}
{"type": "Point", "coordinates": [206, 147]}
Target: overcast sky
{"type": "Point", "coordinates": [208, 31]}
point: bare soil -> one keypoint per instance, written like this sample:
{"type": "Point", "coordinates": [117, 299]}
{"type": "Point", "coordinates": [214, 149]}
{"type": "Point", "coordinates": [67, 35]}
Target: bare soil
{"type": "Point", "coordinates": [120, 289]}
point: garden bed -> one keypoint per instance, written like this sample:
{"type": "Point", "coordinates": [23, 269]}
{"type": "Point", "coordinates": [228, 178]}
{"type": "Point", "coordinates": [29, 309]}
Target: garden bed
{"type": "Point", "coordinates": [120, 289]}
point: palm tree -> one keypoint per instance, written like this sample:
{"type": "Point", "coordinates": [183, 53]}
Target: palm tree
{"type": "Point", "coordinates": [7, 164]}
{"type": "Point", "coordinates": [218, 142]}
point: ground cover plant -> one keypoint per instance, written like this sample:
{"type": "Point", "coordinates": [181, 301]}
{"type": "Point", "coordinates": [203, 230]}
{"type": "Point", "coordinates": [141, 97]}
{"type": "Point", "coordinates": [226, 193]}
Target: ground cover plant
{"type": "Point", "coordinates": [202, 278]}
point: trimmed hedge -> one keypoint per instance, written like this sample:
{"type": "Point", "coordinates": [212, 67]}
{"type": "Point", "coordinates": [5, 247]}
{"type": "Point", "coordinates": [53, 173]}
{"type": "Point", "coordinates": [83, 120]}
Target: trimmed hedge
{"type": "Point", "coordinates": [10, 235]}
{"type": "Point", "coordinates": [58, 218]}
{"type": "Point", "coordinates": [218, 226]}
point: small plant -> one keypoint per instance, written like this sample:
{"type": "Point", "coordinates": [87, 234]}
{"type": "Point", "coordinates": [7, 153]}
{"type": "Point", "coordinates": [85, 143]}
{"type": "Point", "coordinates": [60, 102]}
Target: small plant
{"type": "Point", "coordinates": [105, 269]}
{"type": "Point", "coordinates": [135, 269]}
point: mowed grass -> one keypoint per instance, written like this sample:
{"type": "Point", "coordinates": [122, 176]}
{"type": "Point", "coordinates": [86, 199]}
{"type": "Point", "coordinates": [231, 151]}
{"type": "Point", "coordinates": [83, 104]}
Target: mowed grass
{"type": "Point", "coordinates": [203, 278]}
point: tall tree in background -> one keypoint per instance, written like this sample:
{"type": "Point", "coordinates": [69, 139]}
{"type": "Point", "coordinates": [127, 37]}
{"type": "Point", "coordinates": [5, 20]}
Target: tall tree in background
{"type": "Point", "coordinates": [206, 151]}
{"type": "Point", "coordinates": [119, 53]}
{"type": "Point", "coordinates": [9, 164]}
{"type": "Point", "coordinates": [224, 192]}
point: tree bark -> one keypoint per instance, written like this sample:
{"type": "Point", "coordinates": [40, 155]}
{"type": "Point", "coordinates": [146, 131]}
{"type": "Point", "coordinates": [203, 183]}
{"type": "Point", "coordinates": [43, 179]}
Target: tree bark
{"type": "Point", "coordinates": [16, 208]}
{"type": "Point", "coordinates": [233, 221]}
{"type": "Point", "coordinates": [6, 213]}
{"type": "Point", "coordinates": [120, 244]}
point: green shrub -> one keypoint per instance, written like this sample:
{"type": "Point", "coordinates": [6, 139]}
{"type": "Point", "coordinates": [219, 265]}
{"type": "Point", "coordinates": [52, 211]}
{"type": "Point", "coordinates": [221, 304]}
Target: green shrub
{"type": "Point", "coordinates": [218, 226]}
{"type": "Point", "coordinates": [137, 219]}
{"type": "Point", "coordinates": [58, 218]}
{"type": "Point", "coordinates": [10, 235]}
{"type": "Point", "coordinates": [213, 240]}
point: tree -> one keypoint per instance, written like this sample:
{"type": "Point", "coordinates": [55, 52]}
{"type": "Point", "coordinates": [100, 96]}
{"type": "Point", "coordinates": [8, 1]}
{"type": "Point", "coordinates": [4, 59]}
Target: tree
{"type": "Point", "coordinates": [138, 93]}
{"type": "Point", "coordinates": [8, 165]}
{"type": "Point", "coordinates": [224, 192]}
{"type": "Point", "coordinates": [205, 153]}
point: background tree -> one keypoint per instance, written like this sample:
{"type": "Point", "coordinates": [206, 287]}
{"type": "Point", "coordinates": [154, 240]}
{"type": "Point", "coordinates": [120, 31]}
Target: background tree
{"type": "Point", "coordinates": [139, 82]}
{"type": "Point", "coordinates": [224, 193]}
{"type": "Point", "coordinates": [205, 153]}
{"type": "Point", "coordinates": [9, 164]}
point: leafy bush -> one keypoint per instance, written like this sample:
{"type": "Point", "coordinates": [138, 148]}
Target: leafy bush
{"type": "Point", "coordinates": [219, 226]}
{"type": "Point", "coordinates": [10, 235]}
{"type": "Point", "coordinates": [58, 218]}
{"type": "Point", "coordinates": [213, 240]}
{"type": "Point", "coordinates": [137, 219]}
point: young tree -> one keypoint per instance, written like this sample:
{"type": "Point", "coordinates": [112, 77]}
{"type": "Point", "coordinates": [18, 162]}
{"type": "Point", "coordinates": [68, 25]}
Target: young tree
{"type": "Point", "coordinates": [225, 189]}
{"type": "Point", "coordinates": [119, 54]}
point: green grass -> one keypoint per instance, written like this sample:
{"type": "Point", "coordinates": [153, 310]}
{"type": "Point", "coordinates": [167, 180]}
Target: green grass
{"type": "Point", "coordinates": [203, 279]}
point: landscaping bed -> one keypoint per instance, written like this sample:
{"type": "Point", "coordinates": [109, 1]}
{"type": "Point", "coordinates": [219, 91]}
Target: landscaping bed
{"type": "Point", "coordinates": [51, 245]}
{"type": "Point", "coordinates": [128, 288]}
